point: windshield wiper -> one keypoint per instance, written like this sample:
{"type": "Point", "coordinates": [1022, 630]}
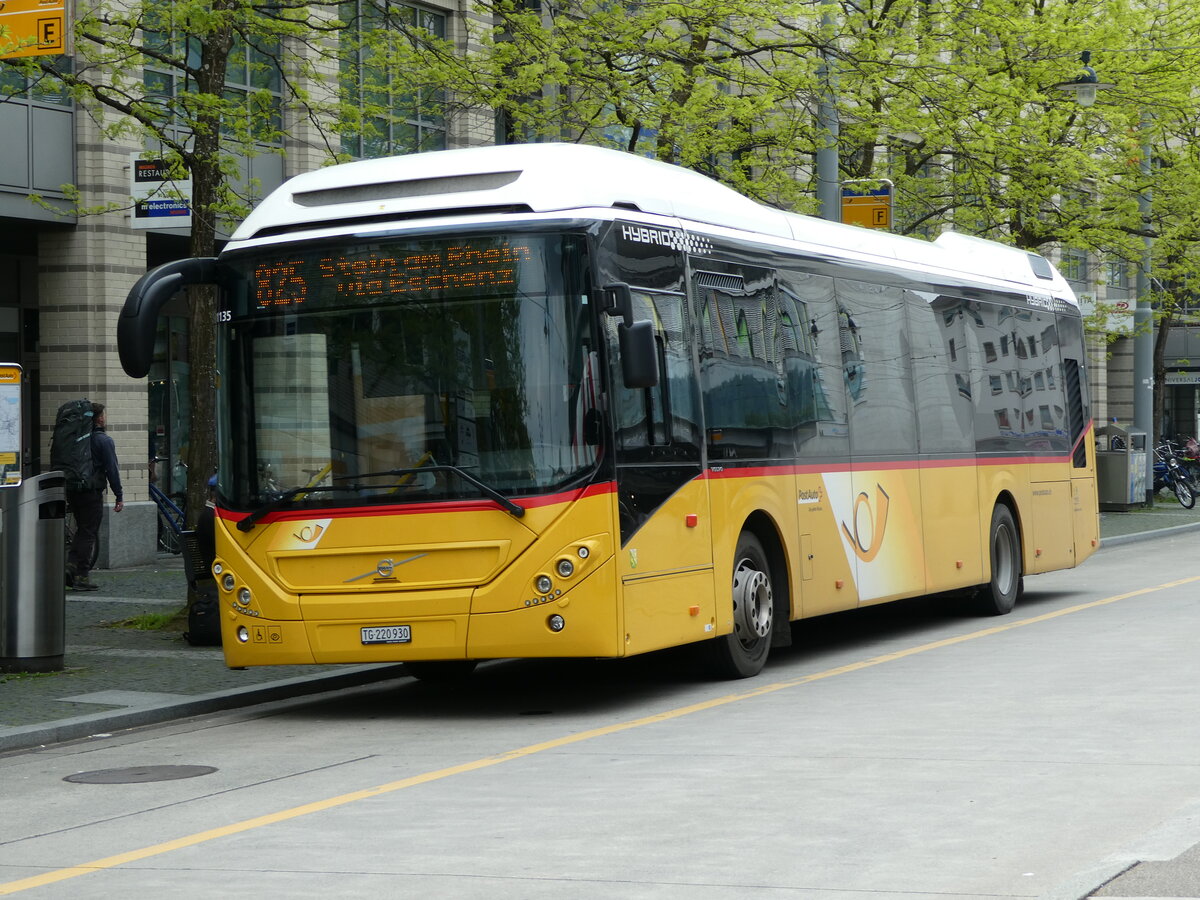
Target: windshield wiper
{"type": "Point", "coordinates": [488, 490]}
{"type": "Point", "coordinates": [246, 523]}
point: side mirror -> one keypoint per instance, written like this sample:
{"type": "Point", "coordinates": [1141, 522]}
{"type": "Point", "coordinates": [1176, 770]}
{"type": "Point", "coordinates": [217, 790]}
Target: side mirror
{"type": "Point", "coordinates": [617, 300]}
{"type": "Point", "coordinates": [139, 316]}
{"type": "Point", "coordinates": [639, 354]}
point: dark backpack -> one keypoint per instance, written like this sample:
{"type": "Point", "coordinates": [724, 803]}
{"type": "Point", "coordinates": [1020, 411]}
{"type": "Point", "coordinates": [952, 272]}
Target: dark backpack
{"type": "Point", "coordinates": [71, 445]}
{"type": "Point", "coordinates": [204, 619]}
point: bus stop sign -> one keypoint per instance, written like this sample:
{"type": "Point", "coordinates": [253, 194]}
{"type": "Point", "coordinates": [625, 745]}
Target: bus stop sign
{"type": "Point", "coordinates": [868, 208]}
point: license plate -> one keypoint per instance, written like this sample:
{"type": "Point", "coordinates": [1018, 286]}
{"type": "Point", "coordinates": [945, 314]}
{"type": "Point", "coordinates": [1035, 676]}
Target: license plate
{"type": "Point", "coordinates": [387, 634]}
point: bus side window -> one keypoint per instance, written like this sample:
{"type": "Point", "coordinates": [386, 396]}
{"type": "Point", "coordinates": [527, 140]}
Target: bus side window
{"type": "Point", "coordinates": [662, 421]}
{"type": "Point", "coordinates": [875, 349]}
{"type": "Point", "coordinates": [749, 410]}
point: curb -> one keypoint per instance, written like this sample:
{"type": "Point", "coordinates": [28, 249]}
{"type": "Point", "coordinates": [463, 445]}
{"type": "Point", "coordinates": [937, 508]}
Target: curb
{"type": "Point", "coordinates": [1150, 534]}
{"type": "Point", "coordinates": [34, 736]}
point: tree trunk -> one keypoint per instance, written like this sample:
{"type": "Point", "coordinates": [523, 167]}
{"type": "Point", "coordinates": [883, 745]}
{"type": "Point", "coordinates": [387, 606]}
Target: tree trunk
{"type": "Point", "coordinates": [205, 169]}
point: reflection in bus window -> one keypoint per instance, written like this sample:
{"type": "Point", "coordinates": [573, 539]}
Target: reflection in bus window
{"type": "Point", "coordinates": [662, 422]}
{"type": "Point", "coordinates": [876, 366]}
{"type": "Point", "coordinates": [751, 384]}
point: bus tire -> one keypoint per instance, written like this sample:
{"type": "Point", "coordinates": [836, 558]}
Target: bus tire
{"type": "Point", "coordinates": [998, 596]}
{"type": "Point", "coordinates": [441, 671]}
{"type": "Point", "coordinates": [743, 652]}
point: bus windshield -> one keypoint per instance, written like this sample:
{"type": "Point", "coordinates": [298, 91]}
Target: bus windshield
{"type": "Point", "coordinates": [396, 370]}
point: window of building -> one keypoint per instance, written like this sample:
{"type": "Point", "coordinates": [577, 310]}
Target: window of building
{"type": "Point", "coordinates": [1116, 274]}
{"type": "Point", "coordinates": [252, 84]}
{"type": "Point", "coordinates": [15, 86]}
{"type": "Point", "coordinates": [1074, 264]}
{"type": "Point", "coordinates": [252, 79]}
{"type": "Point", "coordinates": [388, 116]}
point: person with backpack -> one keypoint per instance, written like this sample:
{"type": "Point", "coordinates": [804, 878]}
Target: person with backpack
{"type": "Point", "coordinates": [85, 500]}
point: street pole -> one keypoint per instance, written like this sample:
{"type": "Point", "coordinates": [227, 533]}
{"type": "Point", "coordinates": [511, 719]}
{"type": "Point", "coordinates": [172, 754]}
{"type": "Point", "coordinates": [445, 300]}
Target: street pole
{"type": "Point", "coordinates": [1085, 88]}
{"type": "Point", "coordinates": [829, 189]}
{"type": "Point", "coordinates": [1143, 322]}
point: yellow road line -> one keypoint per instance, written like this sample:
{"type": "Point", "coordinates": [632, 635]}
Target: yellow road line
{"type": "Point", "coordinates": [109, 862]}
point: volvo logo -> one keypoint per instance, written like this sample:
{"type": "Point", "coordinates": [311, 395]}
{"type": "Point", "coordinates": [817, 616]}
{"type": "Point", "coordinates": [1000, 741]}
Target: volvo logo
{"type": "Point", "coordinates": [384, 569]}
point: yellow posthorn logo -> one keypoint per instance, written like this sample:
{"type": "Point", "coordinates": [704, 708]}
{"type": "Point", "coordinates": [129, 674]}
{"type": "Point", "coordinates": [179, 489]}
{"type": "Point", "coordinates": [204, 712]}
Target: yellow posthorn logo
{"type": "Point", "coordinates": [879, 523]}
{"type": "Point", "coordinates": [308, 534]}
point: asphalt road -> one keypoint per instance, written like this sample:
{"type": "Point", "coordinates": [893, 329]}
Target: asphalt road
{"type": "Point", "coordinates": [899, 752]}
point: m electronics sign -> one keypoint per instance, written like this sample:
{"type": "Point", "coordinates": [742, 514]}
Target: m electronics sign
{"type": "Point", "coordinates": [159, 201]}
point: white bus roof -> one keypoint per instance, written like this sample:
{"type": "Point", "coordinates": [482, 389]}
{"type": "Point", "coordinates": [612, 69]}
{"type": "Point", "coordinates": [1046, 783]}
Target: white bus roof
{"type": "Point", "coordinates": [563, 178]}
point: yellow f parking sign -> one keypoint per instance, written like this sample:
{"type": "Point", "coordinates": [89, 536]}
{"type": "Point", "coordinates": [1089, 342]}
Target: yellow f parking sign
{"type": "Point", "coordinates": [868, 208]}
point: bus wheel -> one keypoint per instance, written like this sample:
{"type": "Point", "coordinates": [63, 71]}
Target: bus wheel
{"type": "Point", "coordinates": [744, 652]}
{"type": "Point", "coordinates": [999, 595]}
{"type": "Point", "coordinates": [440, 671]}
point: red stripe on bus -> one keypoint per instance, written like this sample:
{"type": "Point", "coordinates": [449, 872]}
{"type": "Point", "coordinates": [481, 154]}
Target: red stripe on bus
{"type": "Point", "coordinates": [880, 465]}
{"type": "Point", "coordinates": [442, 506]}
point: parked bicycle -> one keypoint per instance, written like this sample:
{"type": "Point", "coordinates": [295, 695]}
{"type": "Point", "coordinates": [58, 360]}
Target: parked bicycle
{"type": "Point", "coordinates": [171, 519]}
{"type": "Point", "coordinates": [1170, 473]}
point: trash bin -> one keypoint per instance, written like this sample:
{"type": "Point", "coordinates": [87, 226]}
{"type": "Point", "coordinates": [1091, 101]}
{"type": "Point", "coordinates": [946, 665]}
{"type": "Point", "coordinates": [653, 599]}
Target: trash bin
{"type": "Point", "coordinates": [1120, 468]}
{"type": "Point", "coordinates": [33, 607]}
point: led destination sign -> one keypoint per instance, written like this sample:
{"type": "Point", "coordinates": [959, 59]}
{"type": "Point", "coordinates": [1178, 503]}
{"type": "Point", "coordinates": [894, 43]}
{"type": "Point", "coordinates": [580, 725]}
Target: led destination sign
{"type": "Point", "coordinates": [365, 274]}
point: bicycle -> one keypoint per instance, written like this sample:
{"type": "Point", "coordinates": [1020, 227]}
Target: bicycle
{"type": "Point", "coordinates": [1170, 474]}
{"type": "Point", "coordinates": [171, 520]}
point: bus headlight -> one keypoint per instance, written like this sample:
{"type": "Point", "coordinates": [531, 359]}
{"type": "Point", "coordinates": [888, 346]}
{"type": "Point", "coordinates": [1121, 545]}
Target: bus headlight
{"type": "Point", "coordinates": [565, 568]}
{"type": "Point", "coordinates": [543, 584]}
{"type": "Point", "coordinates": [227, 581]}
{"type": "Point", "coordinates": [243, 596]}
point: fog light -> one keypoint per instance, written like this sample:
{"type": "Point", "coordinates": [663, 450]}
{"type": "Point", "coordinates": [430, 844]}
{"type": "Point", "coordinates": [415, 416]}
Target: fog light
{"type": "Point", "coordinates": [543, 584]}
{"type": "Point", "coordinates": [243, 634]}
{"type": "Point", "coordinates": [556, 623]}
{"type": "Point", "coordinates": [243, 596]}
{"type": "Point", "coordinates": [227, 581]}
{"type": "Point", "coordinates": [566, 568]}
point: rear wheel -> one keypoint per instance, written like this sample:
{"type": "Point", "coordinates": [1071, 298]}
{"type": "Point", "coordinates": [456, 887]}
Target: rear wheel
{"type": "Point", "coordinates": [1000, 594]}
{"type": "Point", "coordinates": [168, 538]}
{"type": "Point", "coordinates": [743, 653]}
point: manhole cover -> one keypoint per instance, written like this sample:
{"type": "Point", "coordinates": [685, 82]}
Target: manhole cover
{"type": "Point", "coordinates": [135, 774]}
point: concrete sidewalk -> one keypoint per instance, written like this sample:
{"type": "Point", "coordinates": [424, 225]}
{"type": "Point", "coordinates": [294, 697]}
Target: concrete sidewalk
{"type": "Point", "coordinates": [118, 677]}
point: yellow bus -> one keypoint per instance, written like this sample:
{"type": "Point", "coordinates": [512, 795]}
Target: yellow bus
{"type": "Point", "coordinates": [558, 401]}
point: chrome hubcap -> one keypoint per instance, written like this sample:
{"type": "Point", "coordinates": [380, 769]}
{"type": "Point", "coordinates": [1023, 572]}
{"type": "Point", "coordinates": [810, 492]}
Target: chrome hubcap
{"type": "Point", "coordinates": [752, 603]}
